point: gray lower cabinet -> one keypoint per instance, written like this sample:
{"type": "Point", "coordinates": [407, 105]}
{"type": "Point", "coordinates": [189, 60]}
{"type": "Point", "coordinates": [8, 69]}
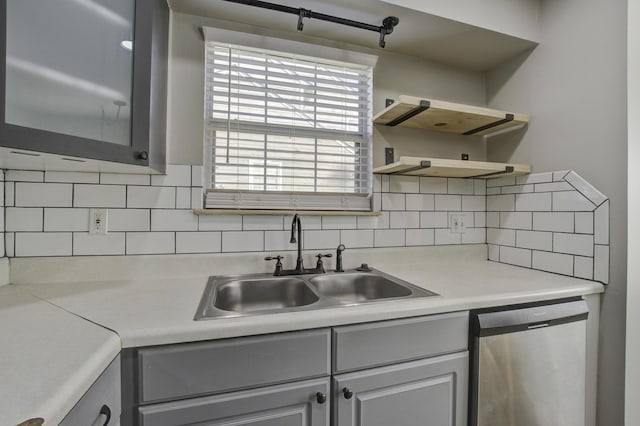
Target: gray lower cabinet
{"type": "Point", "coordinates": [292, 404]}
{"type": "Point", "coordinates": [428, 392]}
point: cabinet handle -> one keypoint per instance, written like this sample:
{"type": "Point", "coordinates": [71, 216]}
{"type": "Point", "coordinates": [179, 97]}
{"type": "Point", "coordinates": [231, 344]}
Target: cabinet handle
{"type": "Point", "coordinates": [348, 393]}
{"type": "Point", "coordinates": [321, 398]}
{"type": "Point", "coordinates": [143, 155]}
{"type": "Point", "coordinates": [104, 416]}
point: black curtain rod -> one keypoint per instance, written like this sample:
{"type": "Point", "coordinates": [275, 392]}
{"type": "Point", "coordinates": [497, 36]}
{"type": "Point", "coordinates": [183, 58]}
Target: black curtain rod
{"type": "Point", "coordinates": [385, 29]}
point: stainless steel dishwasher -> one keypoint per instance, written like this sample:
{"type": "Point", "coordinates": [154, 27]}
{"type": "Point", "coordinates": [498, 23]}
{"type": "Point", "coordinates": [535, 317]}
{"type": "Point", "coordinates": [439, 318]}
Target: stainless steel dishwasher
{"type": "Point", "coordinates": [528, 365]}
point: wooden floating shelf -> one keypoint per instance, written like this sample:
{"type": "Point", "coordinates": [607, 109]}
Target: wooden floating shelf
{"type": "Point", "coordinates": [439, 167]}
{"type": "Point", "coordinates": [442, 116]}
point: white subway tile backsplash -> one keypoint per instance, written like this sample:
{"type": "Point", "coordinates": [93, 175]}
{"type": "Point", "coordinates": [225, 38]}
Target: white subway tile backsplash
{"type": "Point", "coordinates": [356, 238]}
{"type": "Point", "coordinates": [493, 220]}
{"type": "Point", "coordinates": [573, 244]}
{"type": "Point", "coordinates": [198, 242]}
{"type": "Point", "coordinates": [558, 176]}
{"type": "Point", "coordinates": [405, 184]}
{"type": "Point", "coordinates": [339, 222]}
{"type": "Point", "coordinates": [43, 244]}
{"type": "Point", "coordinates": [148, 197]}
{"type": "Point", "coordinates": [393, 201]}
{"type": "Point", "coordinates": [516, 220]}
{"type": "Point", "coordinates": [43, 194]}
{"type": "Point", "coordinates": [373, 222]}
{"type": "Point", "coordinates": [23, 219]}
{"type": "Point", "coordinates": [197, 198]}
{"type": "Point", "coordinates": [71, 177]}
{"type": "Point", "coordinates": [384, 183]}
{"type": "Point", "coordinates": [448, 202]}
{"type": "Point", "coordinates": [124, 179]}
{"type": "Point", "coordinates": [533, 202]}
{"type": "Point", "coordinates": [534, 240]}
{"type": "Point", "coordinates": [434, 220]}
{"type": "Point", "coordinates": [107, 196]}
{"type": "Point", "coordinates": [479, 187]}
{"type": "Point", "coordinates": [420, 237]}
{"type": "Point", "coordinates": [516, 189]}
{"type": "Point", "coordinates": [480, 219]}
{"type": "Point", "coordinates": [404, 219]}
{"type": "Point", "coordinates": [553, 186]}
{"type": "Point", "coordinates": [585, 188]}
{"type": "Point", "coordinates": [389, 238]}
{"type": "Point", "coordinates": [502, 237]}
{"type": "Point", "coordinates": [183, 198]}
{"type": "Point", "coordinates": [515, 256]}
{"type": "Point", "coordinates": [176, 175]}
{"type": "Point", "coordinates": [197, 176]}
{"type": "Point", "coordinates": [126, 220]}
{"type": "Point", "coordinates": [321, 239]}
{"type": "Point", "coordinates": [420, 202]}
{"type": "Point", "coordinates": [460, 186]}
{"type": "Point", "coordinates": [173, 220]}
{"type": "Point", "coordinates": [560, 221]}
{"type": "Point", "coordinates": [85, 244]}
{"type": "Point", "coordinates": [9, 244]}
{"type": "Point", "coordinates": [23, 176]}
{"type": "Point", "coordinates": [150, 242]}
{"type": "Point", "coordinates": [446, 237]}
{"type": "Point", "coordinates": [601, 264]}
{"type": "Point", "coordinates": [503, 181]}
{"type": "Point", "coordinates": [474, 236]}
{"type": "Point", "coordinates": [583, 267]}
{"type": "Point", "coordinates": [493, 191]}
{"type": "Point", "coordinates": [9, 194]}
{"type": "Point", "coordinates": [433, 185]}
{"type": "Point", "coordinates": [501, 203]}
{"type": "Point", "coordinates": [474, 203]}
{"type": "Point", "coordinates": [278, 241]}
{"type": "Point", "coordinates": [263, 223]}
{"type": "Point", "coordinates": [376, 183]}
{"type": "Point", "coordinates": [601, 224]}
{"type": "Point", "coordinates": [219, 222]}
{"type": "Point", "coordinates": [308, 222]}
{"type": "Point", "coordinates": [584, 222]}
{"type": "Point", "coordinates": [553, 262]}
{"type": "Point", "coordinates": [534, 178]}
{"type": "Point", "coordinates": [493, 252]}
{"type": "Point", "coordinates": [571, 201]}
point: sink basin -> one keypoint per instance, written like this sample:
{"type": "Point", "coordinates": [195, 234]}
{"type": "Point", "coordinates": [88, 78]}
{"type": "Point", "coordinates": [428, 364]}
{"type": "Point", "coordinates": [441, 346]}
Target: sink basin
{"type": "Point", "coordinates": [259, 294]}
{"type": "Point", "coordinates": [358, 287]}
{"type": "Point", "coordinates": [256, 294]}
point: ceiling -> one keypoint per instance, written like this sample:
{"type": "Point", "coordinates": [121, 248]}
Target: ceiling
{"type": "Point", "coordinates": [418, 34]}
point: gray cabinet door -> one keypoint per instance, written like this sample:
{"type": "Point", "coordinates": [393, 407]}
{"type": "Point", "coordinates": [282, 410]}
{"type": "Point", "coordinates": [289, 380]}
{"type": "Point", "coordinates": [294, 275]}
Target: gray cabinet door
{"type": "Point", "coordinates": [291, 404]}
{"type": "Point", "coordinates": [429, 392]}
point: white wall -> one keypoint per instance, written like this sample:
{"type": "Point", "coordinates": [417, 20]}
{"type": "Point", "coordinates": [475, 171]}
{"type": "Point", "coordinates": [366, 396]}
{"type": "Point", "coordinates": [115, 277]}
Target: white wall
{"type": "Point", "coordinates": [394, 75]}
{"type": "Point", "coordinates": [574, 86]}
{"type": "Point", "coordinates": [517, 18]}
{"type": "Point", "coordinates": [632, 408]}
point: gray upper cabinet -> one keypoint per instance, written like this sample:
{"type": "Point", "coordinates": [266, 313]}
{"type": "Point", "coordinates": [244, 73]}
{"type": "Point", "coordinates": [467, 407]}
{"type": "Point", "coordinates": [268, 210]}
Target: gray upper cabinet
{"type": "Point", "coordinates": [85, 79]}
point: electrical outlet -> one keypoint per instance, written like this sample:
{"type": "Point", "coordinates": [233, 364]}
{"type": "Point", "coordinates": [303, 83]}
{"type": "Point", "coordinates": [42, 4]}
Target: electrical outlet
{"type": "Point", "coordinates": [456, 223]}
{"type": "Point", "coordinates": [98, 221]}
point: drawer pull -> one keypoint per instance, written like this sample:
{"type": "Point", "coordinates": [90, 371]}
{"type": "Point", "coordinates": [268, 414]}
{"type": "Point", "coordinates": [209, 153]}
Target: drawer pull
{"type": "Point", "coordinates": [348, 393]}
{"type": "Point", "coordinates": [321, 398]}
{"type": "Point", "coordinates": [104, 417]}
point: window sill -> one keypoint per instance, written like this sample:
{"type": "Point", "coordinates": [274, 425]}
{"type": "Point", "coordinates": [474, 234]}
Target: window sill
{"type": "Point", "coordinates": [247, 212]}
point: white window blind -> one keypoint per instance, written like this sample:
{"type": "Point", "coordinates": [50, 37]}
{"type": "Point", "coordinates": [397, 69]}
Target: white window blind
{"type": "Point", "coordinates": [286, 131]}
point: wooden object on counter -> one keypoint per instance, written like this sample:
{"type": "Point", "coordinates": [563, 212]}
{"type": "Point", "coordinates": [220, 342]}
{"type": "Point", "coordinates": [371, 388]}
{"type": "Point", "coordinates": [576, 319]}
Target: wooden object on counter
{"type": "Point", "coordinates": [440, 167]}
{"type": "Point", "coordinates": [443, 116]}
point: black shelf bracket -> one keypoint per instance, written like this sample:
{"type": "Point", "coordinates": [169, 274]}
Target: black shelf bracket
{"type": "Point", "coordinates": [507, 118]}
{"type": "Point", "coordinates": [424, 164]}
{"type": "Point", "coordinates": [424, 105]}
{"type": "Point", "coordinates": [507, 169]}
{"type": "Point", "coordinates": [388, 23]}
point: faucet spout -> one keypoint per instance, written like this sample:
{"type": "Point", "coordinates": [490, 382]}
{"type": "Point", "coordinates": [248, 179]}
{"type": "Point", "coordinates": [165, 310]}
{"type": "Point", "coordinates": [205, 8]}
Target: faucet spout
{"type": "Point", "coordinates": [297, 226]}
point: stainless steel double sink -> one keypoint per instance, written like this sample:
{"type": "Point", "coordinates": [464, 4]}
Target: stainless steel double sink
{"type": "Point", "coordinates": [257, 294]}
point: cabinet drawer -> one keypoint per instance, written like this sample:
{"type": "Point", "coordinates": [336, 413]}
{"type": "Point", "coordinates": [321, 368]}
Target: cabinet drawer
{"type": "Point", "coordinates": [290, 404]}
{"type": "Point", "coordinates": [105, 392]}
{"type": "Point", "coordinates": [179, 371]}
{"type": "Point", "coordinates": [387, 342]}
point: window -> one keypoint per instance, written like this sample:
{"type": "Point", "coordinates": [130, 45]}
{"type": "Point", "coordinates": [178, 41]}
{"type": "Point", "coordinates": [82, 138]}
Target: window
{"type": "Point", "coordinates": [286, 131]}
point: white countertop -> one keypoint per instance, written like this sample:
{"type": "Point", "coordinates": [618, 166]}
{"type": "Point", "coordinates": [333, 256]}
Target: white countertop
{"type": "Point", "coordinates": [160, 310]}
{"type": "Point", "coordinates": [49, 357]}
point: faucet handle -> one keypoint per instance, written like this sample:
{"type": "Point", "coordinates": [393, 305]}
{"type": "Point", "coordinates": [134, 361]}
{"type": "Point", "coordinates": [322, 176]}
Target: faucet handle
{"type": "Point", "coordinates": [278, 258]}
{"type": "Point", "coordinates": [319, 265]}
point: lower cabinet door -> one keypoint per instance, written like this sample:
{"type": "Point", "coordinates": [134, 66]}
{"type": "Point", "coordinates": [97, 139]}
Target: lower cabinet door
{"type": "Point", "coordinates": [303, 403]}
{"type": "Point", "coordinates": [428, 392]}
